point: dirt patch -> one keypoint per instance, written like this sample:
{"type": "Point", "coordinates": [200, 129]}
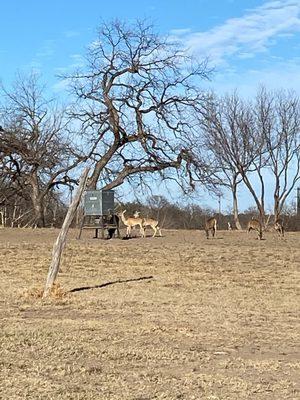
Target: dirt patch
{"type": "Point", "coordinates": [178, 317]}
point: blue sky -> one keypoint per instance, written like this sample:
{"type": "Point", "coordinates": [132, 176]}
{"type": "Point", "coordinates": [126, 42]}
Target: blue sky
{"type": "Point", "coordinates": [247, 41]}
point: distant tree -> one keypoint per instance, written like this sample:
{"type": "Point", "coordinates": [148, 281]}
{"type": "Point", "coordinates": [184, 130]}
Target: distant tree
{"type": "Point", "coordinates": [134, 99]}
{"type": "Point", "coordinates": [36, 153]}
{"type": "Point", "coordinates": [209, 146]}
{"type": "Point", "coordinates": [278, 116]}
{"type": "Point", "coordinates": [234, 146]}
{"type": "Point", "coordinates": [248, 140]}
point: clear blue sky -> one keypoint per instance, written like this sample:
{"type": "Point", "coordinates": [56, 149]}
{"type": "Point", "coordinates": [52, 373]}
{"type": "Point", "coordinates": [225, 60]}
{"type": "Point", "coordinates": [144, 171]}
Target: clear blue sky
{"type": "Point", "coordinates": [248, 41]}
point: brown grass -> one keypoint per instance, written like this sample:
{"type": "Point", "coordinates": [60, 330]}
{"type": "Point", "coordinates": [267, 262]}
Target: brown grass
{"type": "Point", "coordinates": [179, 317]}
{"type": "Point", "coordinates": [56, 292]}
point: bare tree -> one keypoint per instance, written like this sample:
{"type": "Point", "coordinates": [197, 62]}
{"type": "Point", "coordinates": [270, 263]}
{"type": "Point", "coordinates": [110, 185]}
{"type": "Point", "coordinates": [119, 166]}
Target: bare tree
{"type": "Point", "coordinates": [60, 243]}
{"type": "Point", "coordinates": [134, 98]}
{"type": "Point", "coordinates": [237, 147]}
{"type": "Point", "coordinates": [36, 153]}
{"type": "Point", "coordinates": [278, 114]}
{"type": "Point", "coordinates": [222, 172]}
{"type": "Point", "coordinates": [252, 139]}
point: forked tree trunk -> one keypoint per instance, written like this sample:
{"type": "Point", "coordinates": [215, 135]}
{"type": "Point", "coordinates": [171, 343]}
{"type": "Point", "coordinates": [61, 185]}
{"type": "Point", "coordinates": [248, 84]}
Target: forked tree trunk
{"type": "Point", "coordinates": [61, 239]}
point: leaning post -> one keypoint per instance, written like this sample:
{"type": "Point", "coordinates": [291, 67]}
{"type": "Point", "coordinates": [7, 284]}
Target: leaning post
{"type": "Point", "coordinates": [61, 239]}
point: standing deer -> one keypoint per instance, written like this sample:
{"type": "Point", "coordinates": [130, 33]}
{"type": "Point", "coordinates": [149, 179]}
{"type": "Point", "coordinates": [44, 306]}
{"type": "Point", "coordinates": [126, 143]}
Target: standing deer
{"type": "Point", "coordinates": [153, 223]}
{"type": "Point", "coordinates": [255, 225]}
{"type": "Point", "coordinates": [210, 225]}
{"type": "Point", "coordinates": [131, 222]}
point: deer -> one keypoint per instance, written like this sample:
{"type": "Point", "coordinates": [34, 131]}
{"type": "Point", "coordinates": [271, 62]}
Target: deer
{"type": "Point", "coordinates": [131, 222]}
{"type": "Point", "coordinates": [210, 225]}
{"type": "Point", "coordinates": [153, 223]}
{"type": "Point", "coordinates": [255, 225]}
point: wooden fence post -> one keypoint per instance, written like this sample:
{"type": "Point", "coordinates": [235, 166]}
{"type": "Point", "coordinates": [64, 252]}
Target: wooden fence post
{"type": "Point", "coordinates": [61, 239]}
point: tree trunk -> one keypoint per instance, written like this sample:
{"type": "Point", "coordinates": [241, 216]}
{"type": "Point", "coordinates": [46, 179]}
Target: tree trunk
{"type": "Point", "coordinates": [92, 181]}
{"type": "Point", "coordinates": [62, 237]}
{"type": "Point", "coordinates": [260, 206]}
{"type": "Point", "coordinates": [39, 213]}
{"type": "Point", "coordinates": [37, 201]}
{"type": "Point", "coordinates": [235, 208]}
{"type": "Point", "coordinates": [276, 204]}
{"type": "Point", "coordinates": [2, 219]}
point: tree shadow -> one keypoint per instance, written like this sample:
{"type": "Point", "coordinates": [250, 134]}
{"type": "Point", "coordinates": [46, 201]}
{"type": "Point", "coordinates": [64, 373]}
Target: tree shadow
{"type": "Point", "coordinates": [142, 278]}
{"type": "Point", "coordinates": [139, 237]}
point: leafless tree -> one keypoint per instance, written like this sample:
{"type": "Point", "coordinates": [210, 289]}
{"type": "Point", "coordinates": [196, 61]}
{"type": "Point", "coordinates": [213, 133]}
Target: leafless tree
{"type": "Point", "coordinates": [36, 154]}
{"type": "Point", "coordinates": [278, 114]}
{"type": "Point", "coordinates": [222, 170]}
{"type": "Point", "coordinates": [251, 139]}
{"type": "Point", "coordinates": [134, 99]}
{"type": "Point", "coordinates": [234, 145]}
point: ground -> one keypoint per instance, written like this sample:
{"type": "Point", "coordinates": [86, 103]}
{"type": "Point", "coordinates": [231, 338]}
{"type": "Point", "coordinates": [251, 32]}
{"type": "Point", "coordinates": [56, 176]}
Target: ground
{"type": "Point", "coordinates": [177, 317]}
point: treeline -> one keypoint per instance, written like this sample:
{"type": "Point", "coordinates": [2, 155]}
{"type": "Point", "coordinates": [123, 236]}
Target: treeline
{"type": "Point", "coordinates": [193, 216]}
{"type": "Point", "coordinates": [170, 215]}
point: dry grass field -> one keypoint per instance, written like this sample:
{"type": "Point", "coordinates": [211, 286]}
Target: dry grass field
{"type": "Point", "coordinates": [178, 317]}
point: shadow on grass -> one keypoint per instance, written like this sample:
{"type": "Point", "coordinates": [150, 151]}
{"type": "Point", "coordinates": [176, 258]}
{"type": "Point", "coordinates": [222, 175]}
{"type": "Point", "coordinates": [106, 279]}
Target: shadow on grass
{"type": "Point", "coordinates": [142, 278]}
{"type": "Point", "coordinates": [139, 237]}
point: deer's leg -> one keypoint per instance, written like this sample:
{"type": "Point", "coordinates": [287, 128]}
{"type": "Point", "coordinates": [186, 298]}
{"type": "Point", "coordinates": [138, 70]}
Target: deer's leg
{"type": "Point", "coordinates": [155, 230]}
{"type": "Point", "coordinates": [142, 231]}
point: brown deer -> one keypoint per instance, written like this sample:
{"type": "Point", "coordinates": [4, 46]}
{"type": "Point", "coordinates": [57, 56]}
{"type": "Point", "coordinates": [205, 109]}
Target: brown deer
{"type": "Point", "coordinates": [153, 223]}
{"type": "Point", "coordinates": [131, 222]}
{"type": "Point", "coordinates": [255, 225]}
{"type": "Point", "coordinates": [210, 225]}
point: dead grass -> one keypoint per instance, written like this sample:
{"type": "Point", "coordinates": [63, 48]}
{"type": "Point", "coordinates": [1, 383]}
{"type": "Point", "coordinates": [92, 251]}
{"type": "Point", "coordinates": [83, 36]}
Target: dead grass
{"type": "Point", "coordinates": [179, 317]}
{"type": "Point", "coordinates": [56, 292]}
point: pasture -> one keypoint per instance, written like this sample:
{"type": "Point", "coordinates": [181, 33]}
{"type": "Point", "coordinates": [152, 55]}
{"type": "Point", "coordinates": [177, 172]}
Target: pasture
{"type": "Point", "coordinates": [178, 317]}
